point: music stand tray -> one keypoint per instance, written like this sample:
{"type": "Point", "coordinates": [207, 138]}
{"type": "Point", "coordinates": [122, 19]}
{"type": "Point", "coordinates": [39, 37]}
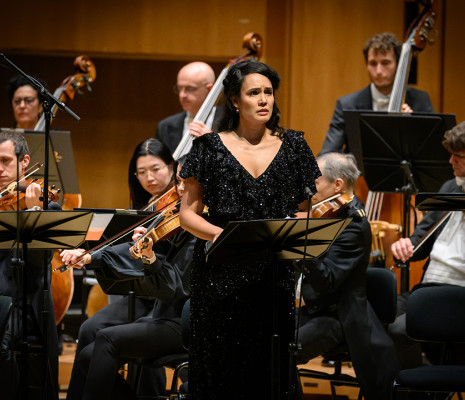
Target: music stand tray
{"type": "Point", "coordinates": [284, 237]}
{"type": "Point", "coordinates": [440, 201]}
{"type": "Point", "coordinates": [381, 141]}
{"type": "Point", "coordinates": [44, 230]}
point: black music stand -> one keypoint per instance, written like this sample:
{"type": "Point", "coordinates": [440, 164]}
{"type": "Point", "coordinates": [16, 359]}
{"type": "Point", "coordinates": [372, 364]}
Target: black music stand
{"type": "Point", "coordinates": [400, 153]}
{"type": "Point", "coordinates": [440, 201]}
{"type": "Point", "coordinates": [39, 230]}
{"type": "Point", "coordinates": [62, 167]}
{"type": "Point", "coordinates": [282, 239]}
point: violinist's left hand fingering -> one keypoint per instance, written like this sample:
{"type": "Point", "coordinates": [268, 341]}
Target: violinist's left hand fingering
{"type": "Point", "coordinates": [33, 196]}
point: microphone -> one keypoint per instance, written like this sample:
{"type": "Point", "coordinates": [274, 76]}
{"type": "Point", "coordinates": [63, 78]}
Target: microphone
{"type": "Point", "coordinates": [308, 193]}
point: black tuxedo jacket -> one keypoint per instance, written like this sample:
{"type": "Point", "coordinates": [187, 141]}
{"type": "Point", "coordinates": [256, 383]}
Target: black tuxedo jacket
{"type": "Point", "coordinates": [338, 279]}
{"type": "Point", "coordinates": [336, 137]}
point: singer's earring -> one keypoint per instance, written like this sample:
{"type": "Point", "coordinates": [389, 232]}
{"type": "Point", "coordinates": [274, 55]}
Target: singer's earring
{"type": "Point", "coordinates": [237, 110]}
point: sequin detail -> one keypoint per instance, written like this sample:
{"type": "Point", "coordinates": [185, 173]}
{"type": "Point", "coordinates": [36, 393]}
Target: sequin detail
{"type": "Point", "coordinates": [231, 303]}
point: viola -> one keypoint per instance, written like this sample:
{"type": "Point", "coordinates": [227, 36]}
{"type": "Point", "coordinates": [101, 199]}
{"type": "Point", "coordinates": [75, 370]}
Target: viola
{"type": "Point", "coordinates": [253, 45]}
{"type": "Point", "coordinates": [332, 206]}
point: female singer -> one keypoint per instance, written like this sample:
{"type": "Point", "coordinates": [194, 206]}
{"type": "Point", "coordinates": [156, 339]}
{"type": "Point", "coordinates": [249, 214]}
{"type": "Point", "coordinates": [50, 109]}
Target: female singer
{"type": "Point", "coordinates": [253, 169]}
{"type": "Point", "coordinates": [151, 173]}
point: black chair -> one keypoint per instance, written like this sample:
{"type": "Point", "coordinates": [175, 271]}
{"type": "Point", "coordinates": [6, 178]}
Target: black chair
{"type": "Point", "coordinates": [382, 294]}
{"type": "Point", "coordinates": [436, 314]}
{"type": "Point", "coordinates": [177, 362]}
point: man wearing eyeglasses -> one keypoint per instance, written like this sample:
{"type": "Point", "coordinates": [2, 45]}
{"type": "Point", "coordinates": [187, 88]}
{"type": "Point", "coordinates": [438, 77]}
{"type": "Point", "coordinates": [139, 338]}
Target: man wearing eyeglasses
{"type": "Point", "coordinates": [193, 83]}
{"type": "Point", "coordinates": [27, 107]}
{"type": "Point", "coordinates": [446, 264]}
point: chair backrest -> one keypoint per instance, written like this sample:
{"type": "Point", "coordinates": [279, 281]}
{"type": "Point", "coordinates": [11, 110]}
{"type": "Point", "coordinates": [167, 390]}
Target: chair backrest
{"type": "Point", "coordinates": [437, 314]}
{"type": "Point", "coordinates": [185, 323]}
{"type": "Point", "coordinates": [382, 293]}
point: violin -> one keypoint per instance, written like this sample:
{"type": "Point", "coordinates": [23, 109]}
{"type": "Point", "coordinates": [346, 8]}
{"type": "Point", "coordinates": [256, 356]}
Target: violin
{"type": "Point", "coordinates": [158, 203]}
{"type": "Point", "coordinates": [9, 202]}
{"type": "Point", "coordinates": [164, 227]}
{"type": "Point", "coordinates": [331, 207]}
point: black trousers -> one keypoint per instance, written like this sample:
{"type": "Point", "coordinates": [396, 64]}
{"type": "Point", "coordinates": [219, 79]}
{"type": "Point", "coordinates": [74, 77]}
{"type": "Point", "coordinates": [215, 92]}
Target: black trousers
{"type": "Point", "coordinates": [145, 338]}
{"type": "Point", "coordinates": [111, 315]}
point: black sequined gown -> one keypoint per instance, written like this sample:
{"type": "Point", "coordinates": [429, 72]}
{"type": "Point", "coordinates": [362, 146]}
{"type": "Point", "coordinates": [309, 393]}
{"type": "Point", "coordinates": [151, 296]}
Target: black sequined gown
{"type": "Point", "coordinates": [231, 313]}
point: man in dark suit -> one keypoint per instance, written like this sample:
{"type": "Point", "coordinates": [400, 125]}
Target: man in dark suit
{"type": "Point", "coordinates": [194, 82]}
{"type": "Point", "coordinates": [334, 289]}
{"type": "Point", "coordinates": [13, 149]}
{"type": "Point", "coordinates": [444, 248]}
{"type": "Point", "coordinates": [382, 52]}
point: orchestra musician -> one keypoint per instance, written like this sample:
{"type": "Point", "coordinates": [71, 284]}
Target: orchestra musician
{"type": "Point", "coordinates": [194, 81]}
{"type": "Point", "coordinates": [381, 54]}
{"type": "Point", "coordinates": [444, 248]}
{"type": "Point", "coordinates": [156, 334]}
{"type": "Point", "coordinates": [13, 149]}
{"type": "Point", "coordinates": [25, 101]}
{"type": "Point", "coordinates": [252, 169]}
{"type": "Point", "coordinates": [336, 309]}
{"type": "Point", "coordinates": [151, 173]}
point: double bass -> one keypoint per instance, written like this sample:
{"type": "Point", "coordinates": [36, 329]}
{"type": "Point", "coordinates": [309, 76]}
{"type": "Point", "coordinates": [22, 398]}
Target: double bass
{"type": "Point", "coordinates": [419, 34]}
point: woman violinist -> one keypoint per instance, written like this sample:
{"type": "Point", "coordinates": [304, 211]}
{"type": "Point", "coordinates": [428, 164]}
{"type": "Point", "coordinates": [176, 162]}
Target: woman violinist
{"type": "Point", "coordinates": [25, 101]}
{"type": "Point", "coordinates": [13, 149]}
{"type": "Point", "coordinates": [159, 275]}
{"type": "Point", "coordinates": [252, 169]}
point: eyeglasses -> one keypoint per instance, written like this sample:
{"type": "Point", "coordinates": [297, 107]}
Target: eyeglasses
{"type": "Point", "coordinates": [27, 101]}
{"type": "Point", "coordinates": [457, 155]}
{"type": "Point", "coordinates": [144, 173]}
{"type": "Point", "coordinates": [187, 89]}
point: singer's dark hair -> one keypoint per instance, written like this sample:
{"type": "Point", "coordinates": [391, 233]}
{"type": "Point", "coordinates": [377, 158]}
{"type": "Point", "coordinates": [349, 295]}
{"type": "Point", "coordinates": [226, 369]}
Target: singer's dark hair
{"type": "Point", "coordinates": [232, 90]}
{"type": "Point", "coordinates": [18, 140]}
{"type": "Point", "coordinates": [139, 196]}
{"type": "Point", "coordinates": [339, 166]}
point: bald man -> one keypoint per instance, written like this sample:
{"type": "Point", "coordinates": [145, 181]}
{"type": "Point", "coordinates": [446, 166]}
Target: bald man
{"type": "Point", "coordinates": [194, 81]}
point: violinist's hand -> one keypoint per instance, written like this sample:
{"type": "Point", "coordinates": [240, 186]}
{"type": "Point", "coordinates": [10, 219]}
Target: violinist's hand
{"type": "Point", "coordinates": [402, 249]}
{"type": "Point", "coordinates": [406, 108]}
{"type": "Point", "coordinates": [197, 128]}
{"type": "Point", "coordinates": [70, 257]}
{"type": "Point", "coordinates": [33, 195]}
{"type": "Point", "coordinates": [138, 232]}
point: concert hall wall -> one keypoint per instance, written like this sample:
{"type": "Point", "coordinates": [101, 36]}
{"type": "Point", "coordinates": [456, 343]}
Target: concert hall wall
{"type": "Point", "coordinates": [138, 46]}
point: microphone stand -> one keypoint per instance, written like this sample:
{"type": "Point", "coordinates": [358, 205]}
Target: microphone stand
{"type": "Point", "coordinates": [48, 102]}
{"type": "Point", "coordinates": [295, 346]}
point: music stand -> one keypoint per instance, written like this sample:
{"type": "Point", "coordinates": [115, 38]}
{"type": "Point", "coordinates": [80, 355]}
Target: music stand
{"type": "Point", "coordinates": [39, 230]}
{"type": "Point", "coordinates": [283, 239]}
{"type": "Point", "coordinates": [105, 227]}
{"type": "Point", "coordinates": [440, 201]}
{"type": "Point", "coordinates": [400, 153]}
{"type": "Point", "coordinates": [62, 167]}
